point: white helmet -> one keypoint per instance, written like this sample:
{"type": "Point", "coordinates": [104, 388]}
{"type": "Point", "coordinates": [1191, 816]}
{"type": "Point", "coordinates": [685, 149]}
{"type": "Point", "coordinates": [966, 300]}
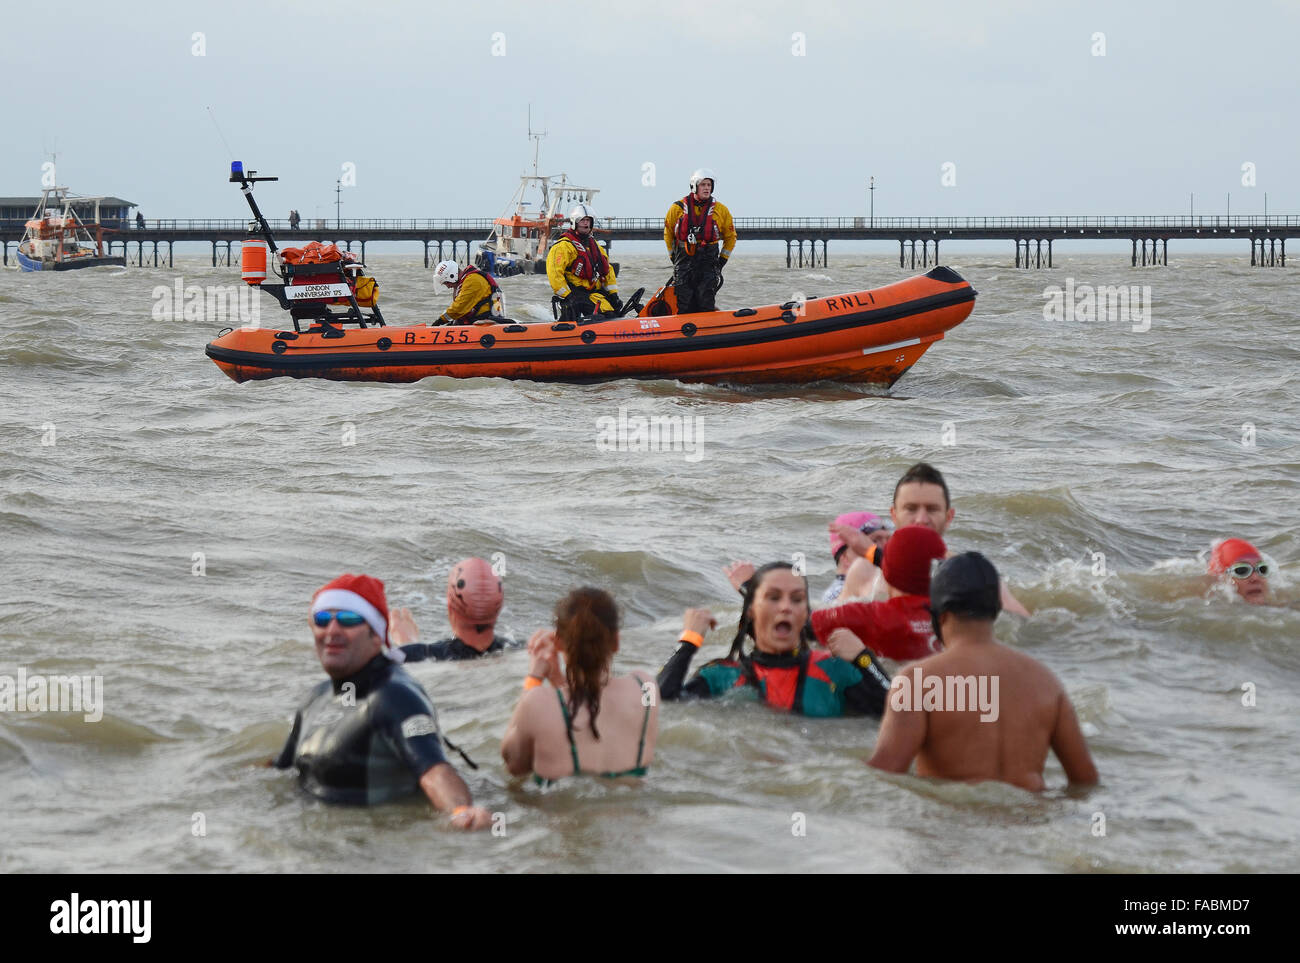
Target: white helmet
{"type": "Point", "coordinates": [578, 213]}
{"type": "Point", "coordinates": [446, 272]}
{"type": "Point", "coordinates": [702, 174]}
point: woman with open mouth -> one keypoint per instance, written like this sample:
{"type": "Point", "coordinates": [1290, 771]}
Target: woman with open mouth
{"type": "Point", "coordinates": [781, 669]}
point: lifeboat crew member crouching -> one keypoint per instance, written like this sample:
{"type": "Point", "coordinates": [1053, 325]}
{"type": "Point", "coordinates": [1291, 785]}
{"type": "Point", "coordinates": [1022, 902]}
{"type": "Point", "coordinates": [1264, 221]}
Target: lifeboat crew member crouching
{"type": "Point", "coordinates": [477, 296]}
{"type": "Point", "coordinates": [580, 273]}
{"type": "Point", "coordinates": [692, 229]}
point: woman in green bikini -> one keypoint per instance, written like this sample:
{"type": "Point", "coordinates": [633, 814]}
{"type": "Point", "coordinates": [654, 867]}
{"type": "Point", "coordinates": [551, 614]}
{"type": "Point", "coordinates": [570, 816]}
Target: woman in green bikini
{"type": "Point", "coordinates": [579, 720]}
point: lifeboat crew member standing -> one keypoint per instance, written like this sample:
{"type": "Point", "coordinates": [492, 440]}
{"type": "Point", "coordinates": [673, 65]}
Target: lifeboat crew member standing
{"type": "Point", "coordinates": [692, 229]}
{"type": "Point", "coordinates": [477, 296]}
{"type": "Point", "coordinates": [580, 273]}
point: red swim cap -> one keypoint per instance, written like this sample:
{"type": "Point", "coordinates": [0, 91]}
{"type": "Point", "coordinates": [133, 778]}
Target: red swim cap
{"type": "Point", "coordinates": [1228, 551]}
{"type": "Point", "coordinates": [474, 597]}
{"type": "Point", "coordinates": [906, 565]}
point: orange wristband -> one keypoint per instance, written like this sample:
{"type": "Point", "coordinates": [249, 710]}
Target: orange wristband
{"type": "Point", "coordinates": [694, 638]}
{"type": "Point", "coordinates": [457, 811]}
{"type": "Point", "coordinates": [531, 682]}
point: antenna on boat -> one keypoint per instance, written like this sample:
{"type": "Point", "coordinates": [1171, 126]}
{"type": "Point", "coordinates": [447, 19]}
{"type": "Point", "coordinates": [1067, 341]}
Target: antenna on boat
{"type": "Point", "coordinates": [219, 133]}
{"type": "Point", "coordinates": [536, 137]}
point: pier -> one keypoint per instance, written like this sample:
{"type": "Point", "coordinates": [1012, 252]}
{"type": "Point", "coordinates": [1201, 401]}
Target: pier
{"type": "Point", "coordinates": [806, 239]}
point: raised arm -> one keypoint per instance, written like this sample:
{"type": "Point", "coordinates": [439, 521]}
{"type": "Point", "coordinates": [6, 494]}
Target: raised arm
{"type": "Point", "coordinates": [695, 622]}
{"type": "Point", "coordinates": [865, 697]}
{"type": "Point", "coordinates": [1009, 602]}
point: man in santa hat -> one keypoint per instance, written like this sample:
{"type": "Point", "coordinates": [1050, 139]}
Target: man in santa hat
{"type": "Point", "coordinates": [369, 733]}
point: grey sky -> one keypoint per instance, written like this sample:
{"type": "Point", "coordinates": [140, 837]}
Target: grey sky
{"type": "Point", "coordinates": [413, 95]}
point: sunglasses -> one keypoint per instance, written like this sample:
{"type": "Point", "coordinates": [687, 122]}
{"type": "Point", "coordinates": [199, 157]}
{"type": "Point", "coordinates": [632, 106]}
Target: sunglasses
{"type": "Point", "coordinates": [1244, 569]}
{"type": "Point", "coordinates": [349, 620]}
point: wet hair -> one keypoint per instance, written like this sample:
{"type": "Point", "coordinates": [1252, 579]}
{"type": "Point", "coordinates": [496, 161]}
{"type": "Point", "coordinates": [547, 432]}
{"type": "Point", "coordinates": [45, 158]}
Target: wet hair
{"type": "Point", "coordinates": [745, 627]}
{"type": "Point", "coordinates": [586, 625]}
{"type": "Point", "coordinates": [927, 474]}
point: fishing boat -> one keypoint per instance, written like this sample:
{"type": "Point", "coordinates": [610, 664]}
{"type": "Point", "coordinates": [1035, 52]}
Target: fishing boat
{"type": "Point", "coordinates": [55, 239]}
{"type": "Point", "coordinates": [873, 335]}
{"type": "Point", "coordinates": [536, 213]}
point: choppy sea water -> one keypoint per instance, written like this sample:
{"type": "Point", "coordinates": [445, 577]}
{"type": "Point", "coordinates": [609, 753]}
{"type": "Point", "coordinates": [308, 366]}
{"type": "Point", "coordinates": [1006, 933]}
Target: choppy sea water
{"type": "Point", "coordinates": [1090, 461]}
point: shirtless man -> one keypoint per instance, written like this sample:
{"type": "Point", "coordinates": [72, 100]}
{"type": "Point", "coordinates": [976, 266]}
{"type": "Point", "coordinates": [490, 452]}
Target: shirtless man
{"type": "Point", "coordinates": [920, 498]}
{"type": "Point", "coordinates": [1006, 740]}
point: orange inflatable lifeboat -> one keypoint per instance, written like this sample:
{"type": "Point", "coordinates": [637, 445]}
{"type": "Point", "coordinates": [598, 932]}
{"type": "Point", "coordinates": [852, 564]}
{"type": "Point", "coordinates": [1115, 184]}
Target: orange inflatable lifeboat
{"type": "Point", "coordinates": [865, 336]}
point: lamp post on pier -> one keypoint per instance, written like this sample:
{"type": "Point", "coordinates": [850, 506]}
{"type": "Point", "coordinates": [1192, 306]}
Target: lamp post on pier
{"type": "Point", "coordinates": [871, 190]}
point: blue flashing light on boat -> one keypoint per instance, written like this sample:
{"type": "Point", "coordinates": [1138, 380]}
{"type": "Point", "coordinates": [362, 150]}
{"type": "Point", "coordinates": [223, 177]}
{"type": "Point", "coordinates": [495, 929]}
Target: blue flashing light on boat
{"type": "Point", "coordinates": [236, 168]}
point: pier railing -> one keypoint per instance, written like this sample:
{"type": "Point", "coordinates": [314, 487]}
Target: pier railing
{"type": "Point", "coordinates": [616, 224]}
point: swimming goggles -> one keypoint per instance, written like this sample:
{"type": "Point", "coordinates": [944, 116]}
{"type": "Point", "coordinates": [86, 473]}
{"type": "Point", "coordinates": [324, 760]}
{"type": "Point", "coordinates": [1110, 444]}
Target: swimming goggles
{"type": "Point", "coordinates": [1244, 569]}
{"type": "Point", "coordinates": [349, 620]}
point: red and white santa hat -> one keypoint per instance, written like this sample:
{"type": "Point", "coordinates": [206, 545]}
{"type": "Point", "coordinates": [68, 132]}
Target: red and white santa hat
{"type": "Point", "coordinates": [357, 593]}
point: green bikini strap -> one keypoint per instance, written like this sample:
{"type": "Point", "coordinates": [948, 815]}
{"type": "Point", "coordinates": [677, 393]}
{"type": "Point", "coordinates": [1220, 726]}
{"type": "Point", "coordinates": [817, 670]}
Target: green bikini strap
{"type": "Point", "coordinates": [645, 720]}
{"type": "Point", "coordinates": [568, 731]}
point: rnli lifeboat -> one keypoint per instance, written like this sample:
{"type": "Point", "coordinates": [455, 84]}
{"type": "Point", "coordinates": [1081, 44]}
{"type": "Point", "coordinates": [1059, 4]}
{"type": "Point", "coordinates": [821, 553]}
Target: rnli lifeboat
{"type": "Point", "coordinates": [339, 334]}
{"type": "Point", "coordinates": [866, 336]}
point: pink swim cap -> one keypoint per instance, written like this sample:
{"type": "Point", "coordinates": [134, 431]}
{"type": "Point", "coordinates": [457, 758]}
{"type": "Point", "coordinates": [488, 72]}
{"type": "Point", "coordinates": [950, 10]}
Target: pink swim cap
{"type": "Point", "coordinates": [474, 598]}
{"type": "Point", "coordinates": [863, 521]}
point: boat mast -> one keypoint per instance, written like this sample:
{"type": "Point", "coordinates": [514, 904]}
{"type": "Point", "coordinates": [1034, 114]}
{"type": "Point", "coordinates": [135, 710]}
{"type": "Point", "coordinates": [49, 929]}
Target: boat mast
{"type": "Point", "coordinates": [536, 137]}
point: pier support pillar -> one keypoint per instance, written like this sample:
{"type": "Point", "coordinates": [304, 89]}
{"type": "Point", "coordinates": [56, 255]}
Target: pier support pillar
{"type": "Point", "coordinates": [901, 253]}
{"type": "Point", "coordinates": [788, 255]}
{"type": "Point", "coordinates": [1049, 252]}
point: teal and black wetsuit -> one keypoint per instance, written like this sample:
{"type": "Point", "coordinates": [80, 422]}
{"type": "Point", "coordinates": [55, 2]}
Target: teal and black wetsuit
{"type": "Point", "coordinates": [453, 649]}
{"type": "Point", "coordinates": [807, 682]}
{"type": "Point", "coordinates": [365, 739]}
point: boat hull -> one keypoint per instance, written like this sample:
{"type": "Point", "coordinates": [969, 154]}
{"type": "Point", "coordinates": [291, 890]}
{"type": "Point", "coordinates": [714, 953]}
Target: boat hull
{"type": "Point", "coordinates": [870, 336]}
{"type": "Point", "coordinates": [26, 263]}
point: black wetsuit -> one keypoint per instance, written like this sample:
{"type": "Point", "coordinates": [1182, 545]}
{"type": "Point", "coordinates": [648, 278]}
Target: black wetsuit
{"type": "Point", "coordinates": [366, 744]}
{"type": "Point", "coordinates": [453, 649]}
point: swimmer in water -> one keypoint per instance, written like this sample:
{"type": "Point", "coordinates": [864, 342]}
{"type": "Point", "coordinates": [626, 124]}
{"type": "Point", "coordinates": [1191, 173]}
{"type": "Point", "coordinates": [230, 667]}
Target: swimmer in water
{"type": "Point", "coordinates": [474, 599]}
{"type": "Point", "coordinates": [920, 498]}
{"type": "Point", "coordinates": [853, 524]}
{"type": "Point", "coordinates": [899, 628]}
{"type": "Point", "coordinates": [369, 733]}
{"type": "Point", "coordinates": [1240, 562]}
{"type": "Point", "coordinates": [850, 524]}
{"type": "Point", "coordinates": [579, 720]}
{"type": "Point", "coordinates": [781, 669]}
{"type": "Point", "coordinates": [978, 710]}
